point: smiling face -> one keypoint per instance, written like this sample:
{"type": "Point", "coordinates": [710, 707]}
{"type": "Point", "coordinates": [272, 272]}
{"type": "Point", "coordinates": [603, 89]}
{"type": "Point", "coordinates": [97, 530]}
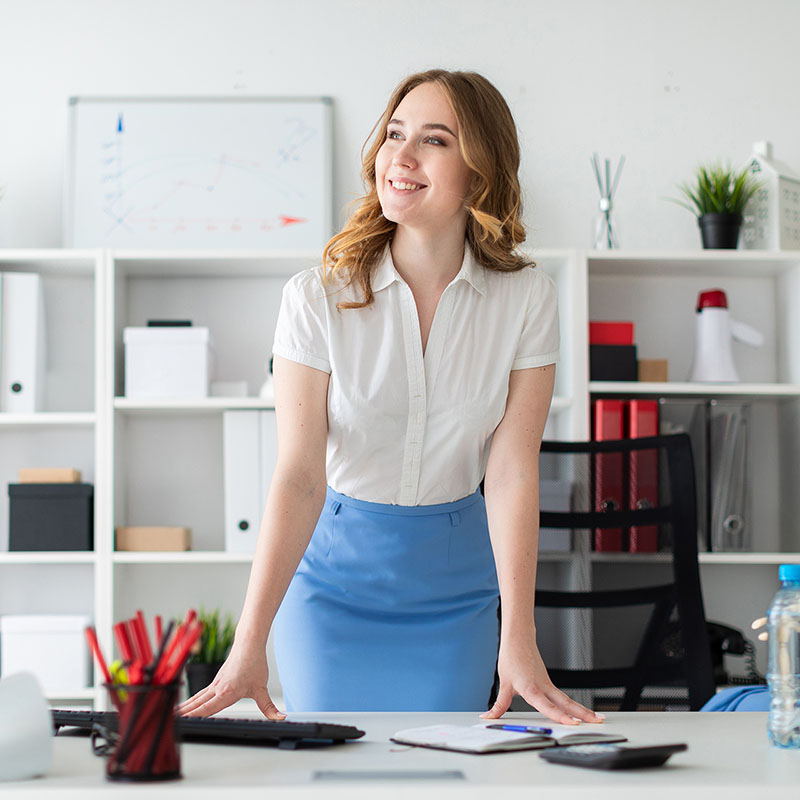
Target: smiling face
{"type": "Point", "coordinates": [421, 177]}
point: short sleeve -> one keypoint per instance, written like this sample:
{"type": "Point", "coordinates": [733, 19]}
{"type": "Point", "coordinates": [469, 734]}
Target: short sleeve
{"type": "Point", "coordinates": [301, 333]}
{"type": "Point", "coordinates": [539, 341]}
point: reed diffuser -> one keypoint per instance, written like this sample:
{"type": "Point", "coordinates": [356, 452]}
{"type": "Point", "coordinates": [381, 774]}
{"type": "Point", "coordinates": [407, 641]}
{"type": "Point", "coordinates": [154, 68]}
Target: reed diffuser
{"type": "Point", "coordinates": [605, 233]}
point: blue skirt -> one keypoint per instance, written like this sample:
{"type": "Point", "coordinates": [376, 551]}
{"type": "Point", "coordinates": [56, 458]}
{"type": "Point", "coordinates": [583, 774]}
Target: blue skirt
{"type": "Point", "coordinates": [392, 608]}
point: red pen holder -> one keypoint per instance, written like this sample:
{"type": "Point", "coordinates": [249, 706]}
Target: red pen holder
{"type": "Point", "coordinates": [147, 748]}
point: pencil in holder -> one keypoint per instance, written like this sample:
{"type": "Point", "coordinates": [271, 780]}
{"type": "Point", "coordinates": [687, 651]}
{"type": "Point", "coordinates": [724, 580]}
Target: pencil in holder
{"type": "Point", "coordinates": [147, 748]}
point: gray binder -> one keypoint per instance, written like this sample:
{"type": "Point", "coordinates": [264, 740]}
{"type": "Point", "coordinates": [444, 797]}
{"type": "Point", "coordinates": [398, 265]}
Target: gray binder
{"type": "Point", "coordinates": [728, 424]}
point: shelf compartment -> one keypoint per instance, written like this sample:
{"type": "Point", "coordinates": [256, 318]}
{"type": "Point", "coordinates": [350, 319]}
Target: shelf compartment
{"type": "Point", "coordinates": [213, 263]}
{"type": "Point", "coordinates": [168, 470]}
{"type": "Point", "coordinates": [721, 264]}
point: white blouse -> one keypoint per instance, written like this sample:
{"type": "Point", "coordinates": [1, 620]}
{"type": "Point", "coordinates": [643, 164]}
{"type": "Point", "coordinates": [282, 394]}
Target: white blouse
{"type": "Point", "coordinates": [404, 428]}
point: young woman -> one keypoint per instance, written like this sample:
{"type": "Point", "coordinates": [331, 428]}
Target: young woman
{"type": "Point", "coordinates": [417, 360]}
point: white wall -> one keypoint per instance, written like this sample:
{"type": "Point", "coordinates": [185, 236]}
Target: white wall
{"type": "Point", "coordinates": [669, 83]}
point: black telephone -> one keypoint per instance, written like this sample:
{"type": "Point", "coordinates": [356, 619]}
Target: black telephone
{"type": "Point", "coordinates": [722, 641]}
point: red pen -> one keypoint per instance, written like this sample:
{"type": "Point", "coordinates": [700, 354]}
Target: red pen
{"type": "Point", "coordinates": [123, 641]}
{"type": "Point", "coordinates": [94, 646]}
{"type": "Point", "coordinates": [172, 647]}
{"type": "Point", "coordinates": [144, 639]}
{"type": "Point", "coordinates": [176, 665]}
{"type": "Point", "coordinates": [133, 639]}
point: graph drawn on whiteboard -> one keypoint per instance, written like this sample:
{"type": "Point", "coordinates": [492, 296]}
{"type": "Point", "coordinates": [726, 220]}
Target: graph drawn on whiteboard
{"type": "Point", "coordinates": [199, 173]}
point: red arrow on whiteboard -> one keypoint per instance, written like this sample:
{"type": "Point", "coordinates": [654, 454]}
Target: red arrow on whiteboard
{"type": "Point", "coordinates": [290, 220]}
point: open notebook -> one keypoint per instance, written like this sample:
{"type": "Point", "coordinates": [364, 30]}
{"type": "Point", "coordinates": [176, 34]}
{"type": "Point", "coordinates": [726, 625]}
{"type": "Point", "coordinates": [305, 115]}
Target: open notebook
{"type": "Point", "coordinates": [481, 739]}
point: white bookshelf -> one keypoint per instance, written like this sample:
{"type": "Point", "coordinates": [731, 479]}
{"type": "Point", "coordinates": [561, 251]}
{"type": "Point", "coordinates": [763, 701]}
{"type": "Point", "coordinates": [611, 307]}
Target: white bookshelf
{"type": "Point", "coordinates": [159, 462]}
{"type": "Point", "coordinates": [66, 430]}
{"type": "Point", "coordinates": [658, 292]}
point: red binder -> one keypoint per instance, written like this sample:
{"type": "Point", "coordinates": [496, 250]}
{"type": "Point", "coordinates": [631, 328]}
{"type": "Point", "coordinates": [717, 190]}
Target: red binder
{"type": "Point", "coordinates": [608, 424]}
{"type": "Point", "coordinates": [643, 473]}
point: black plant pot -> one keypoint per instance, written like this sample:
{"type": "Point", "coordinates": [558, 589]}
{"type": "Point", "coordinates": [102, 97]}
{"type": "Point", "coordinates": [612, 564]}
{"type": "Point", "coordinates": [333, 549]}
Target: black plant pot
{"type": "Point", "coordinates": [720, 231]}
{"type": "Point", "coordinates": [198, 676]}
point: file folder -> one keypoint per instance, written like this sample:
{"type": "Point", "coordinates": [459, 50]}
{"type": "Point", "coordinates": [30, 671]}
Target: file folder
{"type": "Point", "coordinates": [608, 424]}
{"type": "Point", "coordinates": [643, 473]}
{"type": "Point", "coordinates": [728, 479]}
{"type": "Point", "coordinates": [241, 456]}
{"type": "Point", "coordinates": [21, 342]}
{"type": "Point", "coordinates": [250, 451]}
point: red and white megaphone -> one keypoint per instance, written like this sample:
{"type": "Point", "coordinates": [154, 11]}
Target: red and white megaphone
{"type": "Point", "coordinates": [715, 330]}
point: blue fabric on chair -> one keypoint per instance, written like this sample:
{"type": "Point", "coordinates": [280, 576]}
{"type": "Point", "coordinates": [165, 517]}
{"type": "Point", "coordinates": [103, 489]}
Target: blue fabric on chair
{"type": "Point", "coordinates": [739, 698]}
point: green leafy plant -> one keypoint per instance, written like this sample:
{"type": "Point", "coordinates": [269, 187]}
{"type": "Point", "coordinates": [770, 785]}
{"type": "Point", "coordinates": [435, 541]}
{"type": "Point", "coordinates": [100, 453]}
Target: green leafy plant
{"type": "Point", "coordinates": [216, 639]}
{"type": "Point", "coordinates": [719, 190]}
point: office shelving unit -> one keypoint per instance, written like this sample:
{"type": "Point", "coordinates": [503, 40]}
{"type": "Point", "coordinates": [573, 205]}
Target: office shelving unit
{"type": "Point", "coordinates": [66, 431]}
{"type": "Point", "coordinates": [160, 462]}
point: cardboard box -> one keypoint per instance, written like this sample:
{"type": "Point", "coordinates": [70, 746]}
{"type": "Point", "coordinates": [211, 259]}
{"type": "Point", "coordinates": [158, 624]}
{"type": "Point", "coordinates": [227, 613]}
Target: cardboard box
{"type": "Point", "coordinates": [167, 362]}
{"type": "Point", "coordinates": [49, 475]}
{"type": "Point", "coordinates": [52, 647]}
{"type": "Point", "coordinates": [654, 370]}
{"type": "Point", "coordinates": [51, 516]}
{"type": "Point", "coordinates": [153, 538]}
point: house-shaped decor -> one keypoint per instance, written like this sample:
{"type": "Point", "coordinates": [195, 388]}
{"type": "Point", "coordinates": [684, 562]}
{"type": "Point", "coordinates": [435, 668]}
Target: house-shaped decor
{"type": "Point", "coordinates": [772, 217]}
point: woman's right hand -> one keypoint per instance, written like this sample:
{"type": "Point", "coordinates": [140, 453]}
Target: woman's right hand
{"type": "Point", "coordinates": [244, 674]}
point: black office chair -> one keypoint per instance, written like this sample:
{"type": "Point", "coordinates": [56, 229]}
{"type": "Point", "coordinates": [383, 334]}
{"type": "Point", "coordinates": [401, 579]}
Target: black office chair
{"type": "Point", "coordinates": [673, 650]}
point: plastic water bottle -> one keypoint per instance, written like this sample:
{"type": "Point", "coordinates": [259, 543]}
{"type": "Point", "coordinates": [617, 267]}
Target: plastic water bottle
{"type": "Point", "coordinates": [783, 672]}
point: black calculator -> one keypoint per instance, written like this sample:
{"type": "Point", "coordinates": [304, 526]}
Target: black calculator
{"type": "Point", "coordinates": [612, 756]}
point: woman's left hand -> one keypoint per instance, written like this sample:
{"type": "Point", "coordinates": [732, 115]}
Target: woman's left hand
{"type": "Point", "coordinates": [523, 672]}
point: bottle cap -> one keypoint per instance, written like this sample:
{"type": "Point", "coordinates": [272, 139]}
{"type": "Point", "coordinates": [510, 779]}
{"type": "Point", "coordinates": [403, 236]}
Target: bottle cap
{"type": "Point", "coordinates": [712, 298]}
{"type": "Point", "coordinates": [789, 572]}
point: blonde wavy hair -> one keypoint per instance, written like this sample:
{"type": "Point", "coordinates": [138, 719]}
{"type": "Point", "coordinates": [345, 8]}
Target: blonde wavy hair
{"type": "Point", "coordinates": [489, 145]}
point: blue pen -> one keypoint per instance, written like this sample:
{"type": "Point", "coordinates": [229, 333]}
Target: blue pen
{"type": "Point", "coordinates": [521, 728]}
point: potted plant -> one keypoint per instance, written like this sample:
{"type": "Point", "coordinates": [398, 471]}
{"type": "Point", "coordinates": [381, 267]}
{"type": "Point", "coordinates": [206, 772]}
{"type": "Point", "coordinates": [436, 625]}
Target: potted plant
{"type": "Point", "coordinates": [718, 200]}
{"type": "Point", "coordinates": [211, 650]}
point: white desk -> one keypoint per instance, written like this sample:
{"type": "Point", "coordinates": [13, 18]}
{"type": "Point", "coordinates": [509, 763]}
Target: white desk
{"type": "Point", "coordinates": [728, 754]}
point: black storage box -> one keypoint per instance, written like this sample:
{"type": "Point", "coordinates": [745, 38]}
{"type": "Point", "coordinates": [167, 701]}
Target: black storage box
{"type": "Point", "coordinates": [612, 362]}
{"type": "Point", "coordinates": [51, 516]}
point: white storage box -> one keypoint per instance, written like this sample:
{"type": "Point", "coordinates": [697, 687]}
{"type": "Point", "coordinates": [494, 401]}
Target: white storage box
{"type": "Point", "coordinates": [555, 495]}
{"type": "Point", "coordinates": [166, 362]}
{"type": "Point", "coordinates": [53, 647]}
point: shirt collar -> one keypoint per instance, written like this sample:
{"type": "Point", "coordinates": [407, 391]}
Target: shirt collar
{"type": "Point", "coordinates": [471, 271]}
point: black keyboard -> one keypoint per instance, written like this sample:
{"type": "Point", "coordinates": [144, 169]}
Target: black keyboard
{"type": "Point", "coordinates": [224, 729]}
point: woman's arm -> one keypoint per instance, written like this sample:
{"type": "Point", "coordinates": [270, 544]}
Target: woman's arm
{"type": "Point", "coordinates": [295, 500]}
{"type": "Point", "coordinates": [512, 505]}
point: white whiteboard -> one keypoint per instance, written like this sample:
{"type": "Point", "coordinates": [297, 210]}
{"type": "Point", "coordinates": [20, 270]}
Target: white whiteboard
{"type": "Point", "coordinates": [199, 173]}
